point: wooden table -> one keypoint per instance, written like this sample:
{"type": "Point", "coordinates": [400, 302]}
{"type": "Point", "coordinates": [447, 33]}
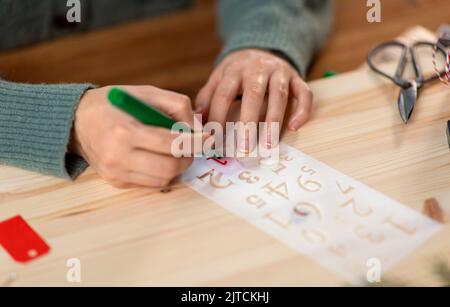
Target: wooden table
{"type": "Point", "coordinates": [146, 237]}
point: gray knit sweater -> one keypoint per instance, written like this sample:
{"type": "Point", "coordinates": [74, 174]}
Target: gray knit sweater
{"type": "Point", "coordinates": [36, 120]}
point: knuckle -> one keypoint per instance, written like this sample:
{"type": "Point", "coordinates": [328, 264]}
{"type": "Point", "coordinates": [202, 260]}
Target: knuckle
{"type": "Point", "coordinates": [183, 104]}
{"type": "Point", "coordinates": [120, 132]}
{"type": "Point", "coordinates": [185, 101]}
{"type": "Point", "coordinates": [283, 93]}
{"type": "Point", "coordinates": [109, 159]}
{"type": "Point", "coordinates": [283, 87]}
{"type": "Point", "coordinates": [231, 81]}
{"type": "Point", "coordinates": [256, 89]}
{"type": "Point", "coordinates": [284, 80]}
{"type": "Point", "coordinates": [160, 141]}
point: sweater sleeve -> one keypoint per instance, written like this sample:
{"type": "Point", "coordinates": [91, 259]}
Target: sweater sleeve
{"type": "Point", "coordinates": [295, 28]}
{"type": "Point", "coordinates": [35, 127]}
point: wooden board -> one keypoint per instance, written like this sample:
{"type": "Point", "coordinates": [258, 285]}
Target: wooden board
{"type": "Point", "coordinates": [146, 237]}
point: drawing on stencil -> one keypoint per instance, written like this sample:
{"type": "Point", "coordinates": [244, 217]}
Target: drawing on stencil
{"type": "Point", "coordinates": [363, 233]}
{"type": "Point", "coordinates": [314, 236]}
{"type": "Point", "coordinates": [214, 179]}
{"type": "Point", "coordinates": [354, 224]}
{"type": "Point", "coordinates": [406, 230]}
{"type": "Point", "coordinates": [278, 221]}
{"type": "Point", "coordinates": [280, 190]}
{"type": "Point", "coordinates": [308, 185]}
{"type": "Point", "coordinates": [256, 201]}
{"type": "Point", "coordinates": [339, 250]}
{"type": "Point", "coordinates": [218, 160]}
{"type": "Point", "coordinates": [357, 210]}
{"type": "Point", "coordinates": [226, 166]}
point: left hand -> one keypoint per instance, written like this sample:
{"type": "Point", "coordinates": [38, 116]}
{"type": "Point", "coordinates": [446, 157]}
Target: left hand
{"type": "Point", "coordinates": [254, 73]}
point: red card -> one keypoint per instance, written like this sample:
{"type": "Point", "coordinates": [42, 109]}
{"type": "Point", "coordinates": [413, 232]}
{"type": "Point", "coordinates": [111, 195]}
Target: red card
{"type": "Point", "coordinates": [21, 241]}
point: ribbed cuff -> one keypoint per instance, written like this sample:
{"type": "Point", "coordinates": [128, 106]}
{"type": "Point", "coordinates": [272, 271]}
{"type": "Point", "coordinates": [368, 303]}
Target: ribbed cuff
{"type": "Point", "coordinates": [35, 127]}
{"type": "Point", "coordinates": [293, 29]}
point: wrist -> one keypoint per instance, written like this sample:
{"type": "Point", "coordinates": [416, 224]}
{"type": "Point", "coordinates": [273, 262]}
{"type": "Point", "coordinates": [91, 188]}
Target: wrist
{"type": "Point", "coordinates": [75, 146]}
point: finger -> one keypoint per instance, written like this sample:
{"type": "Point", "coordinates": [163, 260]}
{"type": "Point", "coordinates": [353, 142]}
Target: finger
{"type": "Point", "coordinates": [223, 97]}
{"type": "Point", "coordinates": [303, 95]}
{"type": "Point", "coordinates": [165, 141]}
{"type": "Point", "coordinates": [204, 96]}
{"type": "Point", "coordinates": [160, 166]}
{"type": "Point", "coordinates": [255, 87]}
{"type": "Point", "coordinates": [278, 100]}
{"type": "Point", "coordinates": [175, 105]}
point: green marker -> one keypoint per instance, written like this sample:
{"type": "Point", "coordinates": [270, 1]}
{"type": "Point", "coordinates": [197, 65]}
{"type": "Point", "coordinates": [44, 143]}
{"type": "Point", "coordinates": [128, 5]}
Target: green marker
{"type": "Point", "coordinates": [141, 111]}
{"type": "Point", "coordinates": [329, 74]}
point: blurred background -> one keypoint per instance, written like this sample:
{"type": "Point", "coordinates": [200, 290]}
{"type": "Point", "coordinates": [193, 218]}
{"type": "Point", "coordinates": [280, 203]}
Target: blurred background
{"type": "Point", "coordinates": [177, 50]}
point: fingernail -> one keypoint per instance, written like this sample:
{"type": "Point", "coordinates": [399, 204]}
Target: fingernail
{"type": "Point", "coordinates": [244, 145]}
{"type": "Point", "coordinates": [272, 135]}
{"type": "Point", "coordinates": [268, 137]}
{"type": "Point", "coordinates": [294, 125]}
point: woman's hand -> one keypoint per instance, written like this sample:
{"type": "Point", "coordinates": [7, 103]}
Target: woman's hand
{"type": "Point", "coordinates": [122, 150]}
{"type": "Point", "coordinates": [254, 74]}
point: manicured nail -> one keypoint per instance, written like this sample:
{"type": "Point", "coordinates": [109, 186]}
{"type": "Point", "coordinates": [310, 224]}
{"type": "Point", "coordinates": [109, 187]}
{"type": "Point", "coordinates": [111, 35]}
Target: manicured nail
{"type": "Point", "coordinates": [294, 125]}
{"type": "Point", "coordinates": [244, 145]}
{"type": "Point", "coordinates": [269, 137]}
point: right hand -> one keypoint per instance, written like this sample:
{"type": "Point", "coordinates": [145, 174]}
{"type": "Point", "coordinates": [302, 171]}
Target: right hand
{"type": "Point", "coordinates": [122, 150]}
